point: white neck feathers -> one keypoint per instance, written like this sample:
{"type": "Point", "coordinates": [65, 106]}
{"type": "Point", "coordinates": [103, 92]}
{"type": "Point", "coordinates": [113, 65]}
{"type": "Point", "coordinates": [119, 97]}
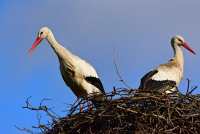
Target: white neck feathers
{"type": "Point", "coordinates": [61, 52]}
{"type": "Point", "coordinates": [178, 55]}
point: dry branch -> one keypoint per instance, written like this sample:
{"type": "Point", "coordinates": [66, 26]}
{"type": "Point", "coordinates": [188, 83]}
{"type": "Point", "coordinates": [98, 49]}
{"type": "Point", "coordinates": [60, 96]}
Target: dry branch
{"type": "Point", "coordinates": [128, 111]}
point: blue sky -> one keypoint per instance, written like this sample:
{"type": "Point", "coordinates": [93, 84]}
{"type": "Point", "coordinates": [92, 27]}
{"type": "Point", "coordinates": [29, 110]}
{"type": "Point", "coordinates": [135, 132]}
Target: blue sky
{"type": "Point", "coordinates": [138, 30]}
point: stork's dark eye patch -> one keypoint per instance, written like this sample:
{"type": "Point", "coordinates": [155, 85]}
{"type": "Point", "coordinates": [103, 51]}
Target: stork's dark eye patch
{"type": "Point", "coordinates": [180, 40]}
{"type": "Point", "coordinates": [41, 33]}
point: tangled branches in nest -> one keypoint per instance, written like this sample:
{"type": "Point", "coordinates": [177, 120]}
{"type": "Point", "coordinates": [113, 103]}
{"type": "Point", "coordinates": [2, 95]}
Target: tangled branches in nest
{"type": "Point", "coordinates": [127, 113]}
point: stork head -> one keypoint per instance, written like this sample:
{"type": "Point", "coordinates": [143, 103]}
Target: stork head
{"type": "Point", "coordinates": [42, 34]}
{"type": "Point", "coordinates": [179, 40]}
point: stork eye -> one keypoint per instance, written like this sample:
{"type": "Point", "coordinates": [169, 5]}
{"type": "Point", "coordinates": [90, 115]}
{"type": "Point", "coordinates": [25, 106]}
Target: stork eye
{"type": "Point", "coordinates": [180, 40]}
{"type": "Point", "coordinates": [41, 33]}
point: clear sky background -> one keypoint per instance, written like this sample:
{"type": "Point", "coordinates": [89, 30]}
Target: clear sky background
{"type": "Point", "coordinates": [138, 30]}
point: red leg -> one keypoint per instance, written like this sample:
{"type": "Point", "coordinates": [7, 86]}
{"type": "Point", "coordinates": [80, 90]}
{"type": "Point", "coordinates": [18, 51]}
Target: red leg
{"type": "Point", "coordinates": [81, 108]}
{"type": "Point", "coordinates": [90, 107]}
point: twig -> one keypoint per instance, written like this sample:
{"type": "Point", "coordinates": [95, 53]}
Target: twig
{"type": "Point", "coordinates": [26, 130]}
{"type": "Point", "coordinates": [119, 74]}
{"type": "Point", "coordinates": [41, 107]}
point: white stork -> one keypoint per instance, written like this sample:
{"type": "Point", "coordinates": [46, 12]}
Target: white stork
{"type": "Point", "coordinates": [170, 73]}
{"type": "Point", "coordinates": [79, 75]}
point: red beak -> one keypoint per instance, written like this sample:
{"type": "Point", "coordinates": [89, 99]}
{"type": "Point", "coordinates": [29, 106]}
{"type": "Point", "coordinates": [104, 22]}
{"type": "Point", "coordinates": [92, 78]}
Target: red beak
{"type": "Point", "coordinates": [185, 45]}
{"type": "Point", "coordinates": [35, 44]}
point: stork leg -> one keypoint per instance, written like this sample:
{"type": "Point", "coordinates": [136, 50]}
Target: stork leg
{"type": "Point", "coordinates": [80, 108]}
{"type": "Point", "coordinates": [90, 106]}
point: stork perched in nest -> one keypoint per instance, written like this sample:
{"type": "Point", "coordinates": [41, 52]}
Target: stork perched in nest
{"type": "Point", "coordinates": [79, 75]}
{"type": "Point", "coordinates": [166, 77]}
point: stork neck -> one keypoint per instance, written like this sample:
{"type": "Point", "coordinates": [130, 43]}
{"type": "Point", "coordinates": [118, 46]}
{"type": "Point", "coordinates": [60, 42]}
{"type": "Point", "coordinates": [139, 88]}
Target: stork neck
{"type": "Point", "coordinates": [178, 55]}
{"type": "Point", "coordinates": [60, 51]}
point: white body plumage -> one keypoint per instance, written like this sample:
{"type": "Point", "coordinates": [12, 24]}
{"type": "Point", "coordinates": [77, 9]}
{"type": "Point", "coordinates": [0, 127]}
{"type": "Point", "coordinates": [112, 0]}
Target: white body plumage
{"type": "Point", "coordinates": [171, 71]}
{"type": "Point", "coordinates": [79, 75]}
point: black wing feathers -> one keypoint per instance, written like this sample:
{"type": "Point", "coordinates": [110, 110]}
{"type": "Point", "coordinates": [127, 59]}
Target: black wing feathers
{"type": "Point", "coordinates": [155, 85]}
{"type": "Point", "coordinates": [160, 86]}
{"type": "Point", "coordinates": [146, 77]}
{"type": "Point", "coordinates": [96, 82]}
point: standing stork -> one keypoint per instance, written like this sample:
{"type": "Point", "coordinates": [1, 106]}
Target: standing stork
{"type": "Point", "coordinates": [79, 75]}
{"type": "Point", "coordinates": [169, 74]}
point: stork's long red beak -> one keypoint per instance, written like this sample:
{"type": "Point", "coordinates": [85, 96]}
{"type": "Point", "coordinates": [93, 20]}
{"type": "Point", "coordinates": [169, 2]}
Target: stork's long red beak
{"type": "Point", "coordinates": [35, 44]}
{"type": "Point", "coordinates": [185, 45]}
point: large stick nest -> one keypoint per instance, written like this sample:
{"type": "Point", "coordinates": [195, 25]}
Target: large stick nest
{"type": "Point", "coordinates": [127, 111]}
